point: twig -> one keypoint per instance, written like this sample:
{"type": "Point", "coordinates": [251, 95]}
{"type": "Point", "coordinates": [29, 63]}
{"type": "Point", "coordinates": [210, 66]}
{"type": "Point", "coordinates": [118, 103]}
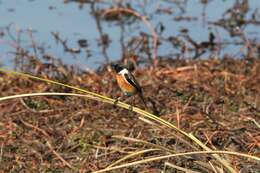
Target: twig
{"type": "Point", "coordinates": [146, 22]}
{"type": "Point", "coordinates": [101, 33]}
{"type": "Point", "coordinates": [175, 155]}
{"type": "Point", "coordinates": [59, 156]}
{"type": "Point", "coordinates": [36, 128]}
{"type": "Point", "coordinates": [179, 168]}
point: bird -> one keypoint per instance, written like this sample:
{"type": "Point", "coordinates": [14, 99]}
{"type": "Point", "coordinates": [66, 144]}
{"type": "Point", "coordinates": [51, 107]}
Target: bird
{"type": "Point", "coordinates": [127, 82]}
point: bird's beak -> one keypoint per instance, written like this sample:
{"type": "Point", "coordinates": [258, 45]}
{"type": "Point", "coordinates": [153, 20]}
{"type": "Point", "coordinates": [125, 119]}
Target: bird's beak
{"type": "Point", "coordinates": [113, 66]}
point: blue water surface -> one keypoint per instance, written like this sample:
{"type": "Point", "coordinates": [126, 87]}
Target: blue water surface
{"type": "Point", "coordinates": [74, 23]}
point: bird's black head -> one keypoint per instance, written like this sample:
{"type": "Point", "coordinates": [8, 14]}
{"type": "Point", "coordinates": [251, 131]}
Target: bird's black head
{"type": "Point", "coordinates": [117, 67]}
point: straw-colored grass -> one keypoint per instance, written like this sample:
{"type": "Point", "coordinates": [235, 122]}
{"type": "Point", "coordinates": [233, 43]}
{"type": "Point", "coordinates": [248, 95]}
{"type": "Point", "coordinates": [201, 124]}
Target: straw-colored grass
{"type": "Point", "coordinates": [149, 116]}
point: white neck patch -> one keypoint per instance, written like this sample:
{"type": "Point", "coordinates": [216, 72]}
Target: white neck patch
{"type": "Point", "coordinates": [124, 71]}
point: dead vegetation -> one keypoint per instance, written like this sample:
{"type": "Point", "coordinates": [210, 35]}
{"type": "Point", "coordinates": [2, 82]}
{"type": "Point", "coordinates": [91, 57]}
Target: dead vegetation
{"type": "Point", "coordinates": [216, 100]}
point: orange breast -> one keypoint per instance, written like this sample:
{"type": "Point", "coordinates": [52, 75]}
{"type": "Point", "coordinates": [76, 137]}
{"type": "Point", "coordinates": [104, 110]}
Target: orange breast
{"type": "Point", "coordinates": [124, 85]}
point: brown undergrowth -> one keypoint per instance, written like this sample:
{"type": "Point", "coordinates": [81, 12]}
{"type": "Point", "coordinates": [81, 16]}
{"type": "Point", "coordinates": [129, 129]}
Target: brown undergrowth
{"type": "Point", "coordinates": [216, 100]}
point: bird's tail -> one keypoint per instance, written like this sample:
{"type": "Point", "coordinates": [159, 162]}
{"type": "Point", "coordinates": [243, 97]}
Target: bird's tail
{"type": "Point", "coordinates": [142, 98]}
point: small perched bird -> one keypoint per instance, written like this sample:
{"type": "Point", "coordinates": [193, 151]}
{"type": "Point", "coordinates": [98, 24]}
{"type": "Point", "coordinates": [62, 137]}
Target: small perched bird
{"type": "Point", "coordinates": [127, 82]}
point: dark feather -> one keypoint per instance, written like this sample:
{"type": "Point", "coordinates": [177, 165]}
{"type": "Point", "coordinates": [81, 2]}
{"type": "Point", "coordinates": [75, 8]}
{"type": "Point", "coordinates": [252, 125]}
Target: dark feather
{"type": "Point", "coordinates": [142, 98]}
{"type": "Point", "coordinates": [131, 79]}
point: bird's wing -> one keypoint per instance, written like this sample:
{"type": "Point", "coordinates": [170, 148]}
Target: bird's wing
{"type": "Point", "coordinates": [131, 79]}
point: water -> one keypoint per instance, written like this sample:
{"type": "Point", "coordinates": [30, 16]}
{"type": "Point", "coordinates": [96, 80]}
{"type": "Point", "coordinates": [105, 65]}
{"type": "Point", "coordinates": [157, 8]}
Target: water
{"type": "Point", "coordinates": [74, 23]}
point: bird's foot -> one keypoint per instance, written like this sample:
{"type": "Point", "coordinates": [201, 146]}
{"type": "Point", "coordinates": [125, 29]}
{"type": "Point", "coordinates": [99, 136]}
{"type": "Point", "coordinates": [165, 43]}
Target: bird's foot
{"type": "Point", "coordinates": [116, 101]}
{"type": "Point", "coordinates": [130, 108]}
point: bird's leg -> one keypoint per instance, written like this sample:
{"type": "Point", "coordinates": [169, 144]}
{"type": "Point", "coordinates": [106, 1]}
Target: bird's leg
{"type": "Point", "coordinates": [117, 100]}
{"type": "Point", "coordinates": [130, 108]}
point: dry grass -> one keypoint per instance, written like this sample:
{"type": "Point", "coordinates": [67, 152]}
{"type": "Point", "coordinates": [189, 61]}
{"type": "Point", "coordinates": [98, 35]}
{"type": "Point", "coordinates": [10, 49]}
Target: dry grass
{"type": "Point", "coordinates": [215, 100]}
